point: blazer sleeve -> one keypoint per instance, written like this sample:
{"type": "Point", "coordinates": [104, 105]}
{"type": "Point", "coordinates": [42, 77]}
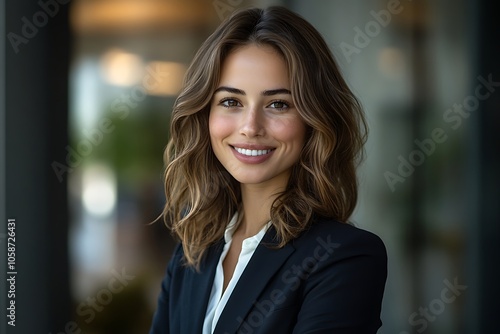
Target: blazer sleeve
{"type": "Point", "coordinates": [161, 318]}
{"type": "Point", "coordinates": [344, 294]}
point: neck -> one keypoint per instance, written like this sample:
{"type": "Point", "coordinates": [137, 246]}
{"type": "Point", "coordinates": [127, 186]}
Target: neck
{"type": "Point", "coordinates": [256, 207]}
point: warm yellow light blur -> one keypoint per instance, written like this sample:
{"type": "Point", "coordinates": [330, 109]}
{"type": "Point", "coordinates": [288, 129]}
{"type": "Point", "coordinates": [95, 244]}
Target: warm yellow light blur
{"type": "Point", "coordinates": [170, 76]}
{"type": "Point", "coordinates": [106, 16]}
{"type": "Point", "coordinates": [121, 68]}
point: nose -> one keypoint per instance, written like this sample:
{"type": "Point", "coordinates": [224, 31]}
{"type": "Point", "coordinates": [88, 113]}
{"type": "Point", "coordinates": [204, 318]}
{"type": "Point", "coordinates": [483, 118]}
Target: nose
{"type": "Point", "coordinates": [252, 123]}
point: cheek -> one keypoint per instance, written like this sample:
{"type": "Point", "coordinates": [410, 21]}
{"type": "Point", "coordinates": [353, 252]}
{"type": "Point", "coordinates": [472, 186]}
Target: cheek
{"type": "Point", "coordinates": [219, 126]}
{"type": "Point", "coordinates": [293, 130]}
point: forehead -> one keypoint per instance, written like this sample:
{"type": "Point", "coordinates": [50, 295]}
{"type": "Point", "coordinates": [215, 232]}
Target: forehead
{"type": "Point", "coordinates": [255, 64]}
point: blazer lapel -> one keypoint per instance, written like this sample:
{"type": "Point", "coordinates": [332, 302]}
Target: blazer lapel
{"type": "Point", "coordinates": [259, 270]}
{"type": "Point", "coordinates": [200, 284]}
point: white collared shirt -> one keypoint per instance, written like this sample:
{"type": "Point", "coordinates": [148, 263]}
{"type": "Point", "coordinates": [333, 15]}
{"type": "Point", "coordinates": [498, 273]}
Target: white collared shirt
{"type": "Point", "coordinates": [217, 299]}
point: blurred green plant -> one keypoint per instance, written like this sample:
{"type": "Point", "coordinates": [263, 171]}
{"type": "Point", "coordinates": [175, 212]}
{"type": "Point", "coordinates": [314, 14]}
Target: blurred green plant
{"type": "Point", "coordinates": [134, 148]}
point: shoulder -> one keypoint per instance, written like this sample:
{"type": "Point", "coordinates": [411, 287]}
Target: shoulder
{"type": "Point", "coordinates": [340, 255]}
{"type": "Point", "coordinates": [341, 240]}
{"type": "Point", "coordinates": [343, 233]}
{"type": "Point", "coordinates": [338, 272]}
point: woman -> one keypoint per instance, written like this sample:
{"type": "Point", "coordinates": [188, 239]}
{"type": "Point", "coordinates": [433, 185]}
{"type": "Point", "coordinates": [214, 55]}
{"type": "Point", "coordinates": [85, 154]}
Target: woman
{"type": "Point", "coordinates": [260, 183]}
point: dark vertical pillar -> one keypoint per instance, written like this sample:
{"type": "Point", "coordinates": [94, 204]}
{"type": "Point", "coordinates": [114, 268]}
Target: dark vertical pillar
{"type": "Point", "coordinates": [36, 107]}
{"type": "Point", "coordinates": [489, 201]}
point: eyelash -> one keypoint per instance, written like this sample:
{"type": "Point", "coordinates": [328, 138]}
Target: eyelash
{"type": "Point", "coordinates": [223, 101]}
{"type": "Point", "coordinates": [227, 100]}
{"type": "Point", "coordinates": [286, 104]}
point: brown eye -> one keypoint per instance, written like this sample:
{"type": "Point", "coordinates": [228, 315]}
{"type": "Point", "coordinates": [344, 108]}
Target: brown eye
{"type": "Point", "coordinates": [279, 105]}
{"type": "Point", "coordinates": [230, 103]}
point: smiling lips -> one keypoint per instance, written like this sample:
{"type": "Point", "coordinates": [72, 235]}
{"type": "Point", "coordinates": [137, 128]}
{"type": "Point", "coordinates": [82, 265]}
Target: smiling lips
{"type": "Point", "coordinates": [252, 155]}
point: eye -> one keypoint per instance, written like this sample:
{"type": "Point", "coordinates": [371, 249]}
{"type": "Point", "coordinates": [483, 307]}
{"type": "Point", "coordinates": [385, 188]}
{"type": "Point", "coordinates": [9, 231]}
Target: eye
{"type": "Point", "coordinates": [229, 103]}
{"type": "Point", "coordinates": [279, 105]}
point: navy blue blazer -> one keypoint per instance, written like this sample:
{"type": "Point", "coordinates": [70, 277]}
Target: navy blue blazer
{"type": "Point", "coordinates": [330, 279]}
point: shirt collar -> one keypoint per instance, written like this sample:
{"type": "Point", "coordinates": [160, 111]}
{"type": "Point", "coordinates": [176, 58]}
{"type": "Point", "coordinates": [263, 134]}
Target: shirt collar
{"type": "Point", "coordinates": [250, 242]}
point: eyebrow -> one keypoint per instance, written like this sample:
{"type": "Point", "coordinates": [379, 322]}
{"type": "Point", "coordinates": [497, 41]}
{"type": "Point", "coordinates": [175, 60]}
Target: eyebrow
{"type": "Point", "coordinates": [276, 92]}
{"type": "Point", "coordinates": [269, 92]}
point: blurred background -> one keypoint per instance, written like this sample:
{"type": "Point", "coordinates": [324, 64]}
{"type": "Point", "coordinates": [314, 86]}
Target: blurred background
{"type": "Point", "coordinates": [87, 91]}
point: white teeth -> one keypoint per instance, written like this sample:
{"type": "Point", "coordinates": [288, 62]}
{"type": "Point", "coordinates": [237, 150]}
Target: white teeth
{"type": "Point", "coordinates": [252, 153]}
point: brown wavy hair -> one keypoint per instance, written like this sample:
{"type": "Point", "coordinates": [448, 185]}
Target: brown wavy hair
{"type": "Point", "coordinates": [201, 196]}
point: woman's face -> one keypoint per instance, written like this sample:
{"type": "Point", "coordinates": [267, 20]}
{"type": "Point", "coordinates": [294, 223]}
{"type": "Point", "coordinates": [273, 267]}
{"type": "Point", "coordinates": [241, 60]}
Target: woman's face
{"type": "Point", "coordinates": [255, 130]}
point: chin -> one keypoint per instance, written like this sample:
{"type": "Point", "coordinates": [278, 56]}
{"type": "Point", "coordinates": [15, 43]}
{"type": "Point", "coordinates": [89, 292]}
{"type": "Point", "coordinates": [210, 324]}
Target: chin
{"type": "Point", "coordinates": [249, 180]}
